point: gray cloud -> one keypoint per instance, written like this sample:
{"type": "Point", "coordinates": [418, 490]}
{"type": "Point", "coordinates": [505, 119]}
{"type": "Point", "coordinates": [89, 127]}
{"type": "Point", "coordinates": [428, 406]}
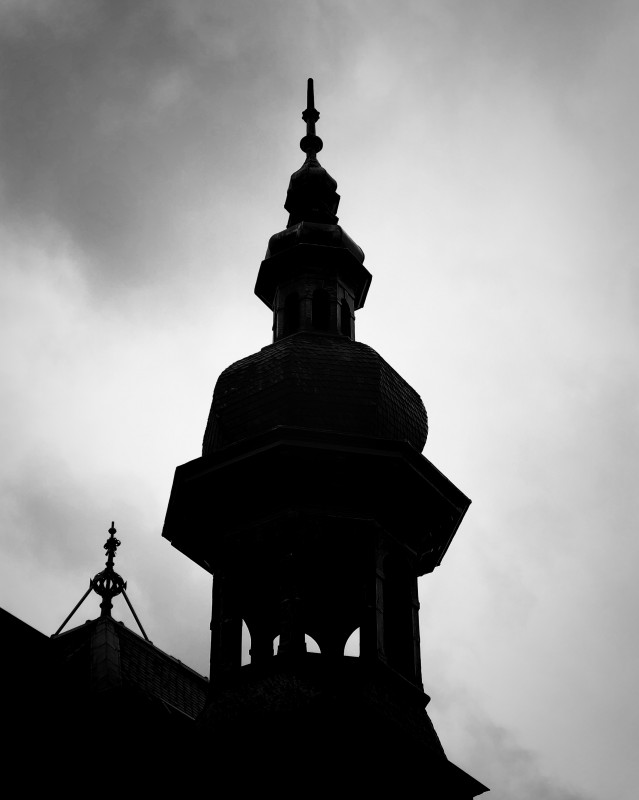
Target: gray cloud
{"type": "Point", "coordinates": [118, 119]}
{"type": "Point", "coordinates": [86, 128]}
{"type": "Point", "coordinates": [45, 507]}
{"type": "Point", "coordinates": [508, 769]}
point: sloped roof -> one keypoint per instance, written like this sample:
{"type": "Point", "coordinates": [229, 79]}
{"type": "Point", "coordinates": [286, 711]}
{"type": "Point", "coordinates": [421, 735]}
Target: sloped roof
{"type": "Point", "coordinates": [105, 654]}
{"type": "Point", "coordinates": [160, 675]}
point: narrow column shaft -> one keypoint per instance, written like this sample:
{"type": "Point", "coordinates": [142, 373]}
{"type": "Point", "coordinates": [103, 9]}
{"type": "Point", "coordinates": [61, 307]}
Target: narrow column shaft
{"type": "Point", "coordinates": [292, 631]}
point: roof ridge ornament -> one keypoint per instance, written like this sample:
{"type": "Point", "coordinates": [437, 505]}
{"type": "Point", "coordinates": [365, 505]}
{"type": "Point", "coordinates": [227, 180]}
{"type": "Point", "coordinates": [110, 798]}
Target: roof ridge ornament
{"type": "Point", "coordinates": [108, 584]}
{"type": "Point", "coordinates": [310, 144]}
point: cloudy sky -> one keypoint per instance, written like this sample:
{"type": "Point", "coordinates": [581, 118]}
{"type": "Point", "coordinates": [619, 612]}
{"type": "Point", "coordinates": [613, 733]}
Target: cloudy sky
{"type": "Point", "coordinates": [486, 154]}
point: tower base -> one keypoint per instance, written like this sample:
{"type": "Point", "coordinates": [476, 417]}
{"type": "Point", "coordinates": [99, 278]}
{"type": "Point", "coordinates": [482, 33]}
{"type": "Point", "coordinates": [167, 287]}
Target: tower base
{"type": "Point", "coordinates": [315, 725]}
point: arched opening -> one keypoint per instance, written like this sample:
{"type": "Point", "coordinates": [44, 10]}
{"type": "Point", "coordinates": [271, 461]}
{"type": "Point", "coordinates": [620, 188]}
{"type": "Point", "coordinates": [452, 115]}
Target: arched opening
{"type": "Point", "coordinates": [351, 648]}
{"type": "Point", "coordinates": [291, 314]}
{"type": "Point", "coordinates": [311, 644]}
{"type": "Point", "coordinates": [321, 310]}
{"type": "Point", "coordinates": [346, 322]}
{"type": "Point", "coordinates": [246, 644]}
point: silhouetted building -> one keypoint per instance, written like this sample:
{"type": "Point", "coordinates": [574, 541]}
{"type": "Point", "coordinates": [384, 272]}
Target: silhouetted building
{"type": "Point", "coordinates": [89, 709]}
{"type": "Point", "coordinates": [315, 513]}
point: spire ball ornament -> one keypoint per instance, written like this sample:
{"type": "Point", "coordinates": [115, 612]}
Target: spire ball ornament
{"type": "Point", "coordinates": [310, 144]}
{"type": "Point", "coordinates": [108, 584]}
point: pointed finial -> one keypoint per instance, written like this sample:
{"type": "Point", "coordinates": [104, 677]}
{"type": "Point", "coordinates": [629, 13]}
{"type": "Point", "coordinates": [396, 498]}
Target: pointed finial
{"type": "Point", "coordinates": [108, 584]}
{"type": "Point", "coordinates": [310, 144]}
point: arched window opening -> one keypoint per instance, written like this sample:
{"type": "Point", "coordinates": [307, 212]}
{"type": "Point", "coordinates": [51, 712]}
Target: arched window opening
{"type": "Point", "coordinates": [346, 323]}
{"type": "Point", "coordinates": [311, 644]}
{"type": "Point", "coordinates": [321, 309]}
{"type": "Point", "coordinates": [351, 647]}
{"type": "Point", "coordinates": [291, 314]}
{"type": "Point", "coordinates": [246, 644]}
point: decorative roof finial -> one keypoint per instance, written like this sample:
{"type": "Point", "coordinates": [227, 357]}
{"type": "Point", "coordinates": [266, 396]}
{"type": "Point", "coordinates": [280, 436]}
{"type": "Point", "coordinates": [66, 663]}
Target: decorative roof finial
{"type": "Point", "coordinates": [310, 144]}
{"type": "Point", "coordinates": [108, 584]}
{"type": "Point", "coordinates": [312, 195]}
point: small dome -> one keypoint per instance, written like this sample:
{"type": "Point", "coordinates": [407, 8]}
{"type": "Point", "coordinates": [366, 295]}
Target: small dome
{"type": "Point", "coordinates": [312, 194]}
{"type": "Point", "coordinates": [318, 382]}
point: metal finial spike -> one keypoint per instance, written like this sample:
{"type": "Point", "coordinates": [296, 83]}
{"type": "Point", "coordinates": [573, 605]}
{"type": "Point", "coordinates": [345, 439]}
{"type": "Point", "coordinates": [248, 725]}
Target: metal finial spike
{"type": "Point", "coordinates": [108, 584]}
{"type": "Point", "coordinates": [310, 95]}
{"type": "Point", "coordinates": [310, 115]}
{"type": "Point", "coordinates": [310, 144]}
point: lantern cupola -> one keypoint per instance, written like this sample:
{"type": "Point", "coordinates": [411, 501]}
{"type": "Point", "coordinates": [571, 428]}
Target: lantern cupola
{"type": "Point", "coordinates": [313, 276]}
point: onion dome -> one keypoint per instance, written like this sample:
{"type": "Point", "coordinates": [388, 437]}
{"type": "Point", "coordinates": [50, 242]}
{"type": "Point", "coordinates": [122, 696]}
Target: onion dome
{"type": "Point", "coordinates": [310, 381]}
{"type": "Point", "coordinates": [311, 194]}
{"type": "Point", "coordinates": [315, 376]}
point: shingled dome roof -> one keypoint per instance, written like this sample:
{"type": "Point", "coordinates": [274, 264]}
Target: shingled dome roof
{"type": "Point", "coordinates": [317, 382]}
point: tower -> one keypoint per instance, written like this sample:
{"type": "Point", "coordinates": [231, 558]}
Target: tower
{"type": "Point", "coordinates": [316, 513]}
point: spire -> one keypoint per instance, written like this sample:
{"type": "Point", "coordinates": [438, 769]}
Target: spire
{"type": "Point", "coordinates": [310, 144]}
{"type": "Point", "coordinates": [314, 253]}
{"type": "Point", "coordinates": [311, 195]}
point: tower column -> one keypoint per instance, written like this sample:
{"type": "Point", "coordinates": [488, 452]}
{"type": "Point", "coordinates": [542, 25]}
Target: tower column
{"type": "Point", "coordinates": [371, 640]}
{"type": "Point", "coordinates": [226, 626]}
{"type": "Point", "coordinates": [292, 641]}
{"type": "Point", "coordinates": [380, 637]}
{"type": "Point", "coordinates": [261, 644]}
{"type": "Point", "coordinates": [417, 655]}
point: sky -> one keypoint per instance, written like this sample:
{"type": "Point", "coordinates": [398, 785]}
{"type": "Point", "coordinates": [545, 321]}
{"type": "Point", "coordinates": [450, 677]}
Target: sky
{"type": "Point", "coordinates": [486, 156]}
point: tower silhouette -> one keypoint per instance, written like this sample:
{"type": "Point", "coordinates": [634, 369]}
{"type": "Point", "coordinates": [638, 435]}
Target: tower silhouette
{"type": "Point", "coordinates": [316, 513]}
